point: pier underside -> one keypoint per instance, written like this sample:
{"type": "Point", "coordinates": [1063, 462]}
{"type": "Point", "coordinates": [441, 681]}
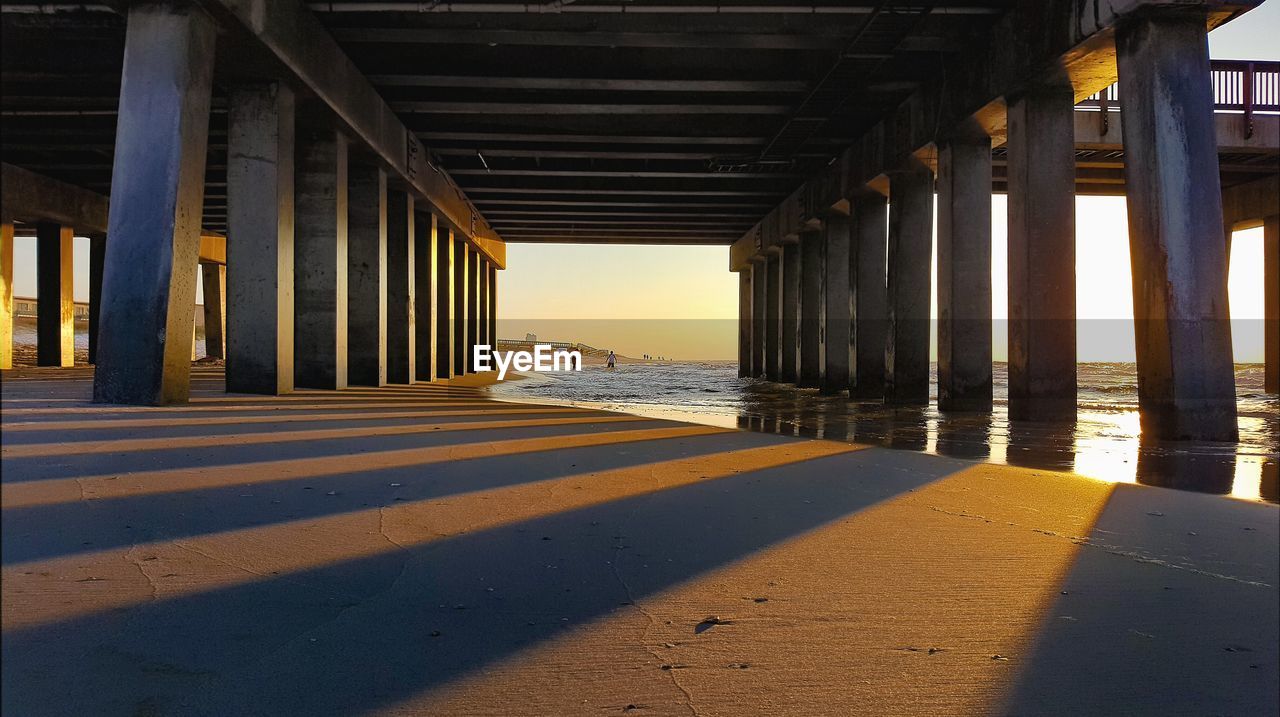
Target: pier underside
{"type": "Point", "coordinates": [427, 550]}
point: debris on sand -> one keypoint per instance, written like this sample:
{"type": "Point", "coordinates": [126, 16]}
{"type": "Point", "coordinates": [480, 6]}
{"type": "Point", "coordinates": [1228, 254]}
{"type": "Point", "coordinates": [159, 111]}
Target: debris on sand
{"type": "Point", "coordinates": [1000, 658]}
{"type": "Point", "coordinates": [709, 622]}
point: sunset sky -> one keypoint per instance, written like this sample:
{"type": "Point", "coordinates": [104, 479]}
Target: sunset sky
{"type": "Point", "coordinates": [681, 302]}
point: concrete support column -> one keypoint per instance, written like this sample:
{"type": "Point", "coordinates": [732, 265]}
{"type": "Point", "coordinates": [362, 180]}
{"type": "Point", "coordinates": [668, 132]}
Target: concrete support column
{"type": "Point", "coordinates": [461, 259]}
{"type": "Point", "coordinates": [424, 297]}
{"type": "Point", "coordinates": [773, 319]}
{"type": "Point", "coordinates": [839, 305]}
{"type": "Point", "coordinates": [482, 305]}
{"type": "Point", "coordinates": [320, 262]}
{"type": "Point", "coordinates": [964, 273]}
{"type": "Point", "coordinates": [744, 322]}
{"type": "Point", "coordinates": [446, 345]}
{"type": "Point", "coordinates": [812, 309]}
{"type": "Point", "coordinates": [1042, 255]}
{"type": "Point", "coordinates": [97, 255]}
{"type": "Point", "coordinates": [259, 306]}
{"type": "Point", "coordinates": [759, 314]}
{"type": "Point", "coordinates": [55, 303]}
{"type": "Point", "coordinates": [6, 294]}
{"type": "Point", "coordinates": [149, 280]}
{"type": "Point", "coordinates": [870, 310]}
{"type": "Point", "coordinates": [214, 278]}
{"type": "Point", "coordinates": [1186, 379]}
{"type": "Point", "coordinates": [493, 305]}
{"type": "Point", "coordinates": [473, 306]}
{"type": "Point", "coordinates": [366, 275]}
{"type": "Point", "coordinates": [790, 309]}
{"type": "Point", "coordinates": [910, 248]}
{"type": "Point", "coordinates": [1271, 298]}
{"type": "Point", "coordinates": [402, 353]}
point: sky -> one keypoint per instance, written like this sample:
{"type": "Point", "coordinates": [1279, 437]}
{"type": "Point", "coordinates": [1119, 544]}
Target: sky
{"type": "Point", "coordinates": [681, 302]}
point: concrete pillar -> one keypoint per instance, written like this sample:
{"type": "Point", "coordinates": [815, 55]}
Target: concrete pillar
{"type": "Point", "coordinates": [1042, 255]}
{"type": "Point", "coordinates": [773, 319]}
{"type": "Point", "coordinates": [1186, 379]}
{"type": "Point", "coordinates": [1271, 298]}
{"type": "Point", "coordinates": [446, 344]}
{"type": "Point", "coordinates": [744, 322]}
{"type": "Point", "coordinates": [149, 280]}
{"type": "Point", "coordinates": [55, 304]}
{"type": "Point", "coordinates": [366, 275]}
{"type": "Point", "coordinates": [482, 305]}
{"type": "Point", "coordinates": [964, 273]}
{"type": "Point", "coordinates": [401, 290]}
{"type": "Point", "coordinates": [759, 314]}
{"type": "Point", "coordinates": [320, 262]}
{"type": "Point", "coordinates": [259, 339]}
{"type": "Point", "coordinates": [790, 330]}
{"type": "Point", "coordinates": [838, 299]}
{"type": "Point", "coordinates": [424, 297]}
{"type": "Point", "coordinates": [812, 309]}
{"type": "Point", "coordinates": [871, 310]}
{"type": "Point", "coordinates": [214, 278]}
{"type": "Point", "coordinates": [461, 259]}
{"type": "Point", "coordinates": [493, 304]}
{"type": "Point", "coordinates": [97, 255]}
{"type": "Point", "coordinates": [6, 295]}
{"type": "Point", "coordinates": [473, 305]}
{"type": "Point", "coordinates": [910, 248]}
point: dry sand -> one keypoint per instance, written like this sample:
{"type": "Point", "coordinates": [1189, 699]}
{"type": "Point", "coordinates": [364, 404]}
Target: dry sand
{"type": "Point", "coordinates": [335, 553]}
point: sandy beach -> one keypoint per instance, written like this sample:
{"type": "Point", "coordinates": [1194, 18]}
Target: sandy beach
{"type": "Point", "coordinates": [427, 550]}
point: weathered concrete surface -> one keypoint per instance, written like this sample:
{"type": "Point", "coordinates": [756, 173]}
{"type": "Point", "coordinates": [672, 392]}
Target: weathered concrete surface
{"type": "Point", "coordinates": [425, 250]}
{"type": "Point", "coordinates": [566, 562]}
{"type": "Point", "coordinates": [790, 341]}
{"type": "Point", "coordinates": [773, 320]}
{"type": "Point", "coordinates": [445, 302]}
{"type": "Point", "coordinates": [493, 301]}
{"type": "Point", "coordinates": [870, 290]}
{"type": "Point", "coordinates": [1042, 256]}
{"type": "Point", "coordinates": [812, 309]}
{"type": "Point", "coordinates": [29, 197]}
{"type": "Point", "coordinates": [55, 299]}
{"type": "Point", "coordinates": [260, 221]}
{"type": "Point", "coordinates": [320, 262]}
{"type": "Point", "coordinates": [401, 301]}
{"type": "Point", "coordinates": [366, 275]}
{"type": "Point", "coordinates": [964, 273]}
{"type": "Point", "coordinates": [6, 295]}
{"type": "Point", "coordinates": [482, 303]}
{"type": "Point", "coordinates": [149, 281]}
{"type": "Point", "coordinates": [214, 280]}
{"type": "Point", "coordinates": [910, 248]}
{"type": "Point", "coordinates": [1186, 378]}
{"type": "Point", "coordinates": [759, 315]}
{"type": "Point", "coordinates": [838, 298]}
{"type": "Point", "coordinates": [744, 322]}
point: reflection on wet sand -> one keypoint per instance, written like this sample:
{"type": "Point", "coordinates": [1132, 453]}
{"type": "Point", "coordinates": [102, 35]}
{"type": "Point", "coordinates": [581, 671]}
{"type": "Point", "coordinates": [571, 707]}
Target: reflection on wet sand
{"type": "Point", "coordinates": [1099, 445]}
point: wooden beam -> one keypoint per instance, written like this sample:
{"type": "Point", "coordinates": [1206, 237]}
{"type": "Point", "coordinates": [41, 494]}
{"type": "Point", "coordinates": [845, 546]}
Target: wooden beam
{"type": "Point", "coordinates": [553, 38]}
{"type": "Point", "coordinates": [588, 84]}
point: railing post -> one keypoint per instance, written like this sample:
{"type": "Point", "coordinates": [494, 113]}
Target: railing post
{"type": "Point", "coordinates": [1246, 96]}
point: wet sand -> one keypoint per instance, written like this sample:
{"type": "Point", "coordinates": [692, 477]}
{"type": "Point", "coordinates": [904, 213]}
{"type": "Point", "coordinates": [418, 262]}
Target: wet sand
{"type": "Point", "coordinates": [427, 550]}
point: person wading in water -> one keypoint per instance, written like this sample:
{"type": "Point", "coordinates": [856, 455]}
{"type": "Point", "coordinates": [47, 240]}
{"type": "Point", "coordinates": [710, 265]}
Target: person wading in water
{"type": "Point", "coordinates": [609, 362]}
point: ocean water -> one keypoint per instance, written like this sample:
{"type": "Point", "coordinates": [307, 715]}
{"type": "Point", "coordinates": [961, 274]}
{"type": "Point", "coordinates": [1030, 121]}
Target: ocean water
{"type": "Point", "coordinates": [1104, 441]}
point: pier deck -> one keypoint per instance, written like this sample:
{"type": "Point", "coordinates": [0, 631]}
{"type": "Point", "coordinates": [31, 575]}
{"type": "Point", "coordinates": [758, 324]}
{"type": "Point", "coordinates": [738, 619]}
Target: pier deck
{"type": "Point", "coordinates": [427, 550]}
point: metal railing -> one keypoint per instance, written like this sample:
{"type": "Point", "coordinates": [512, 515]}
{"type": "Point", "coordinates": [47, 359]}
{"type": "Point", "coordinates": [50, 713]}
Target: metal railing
{"type": "Point", "coordinates": [1244, 86]}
